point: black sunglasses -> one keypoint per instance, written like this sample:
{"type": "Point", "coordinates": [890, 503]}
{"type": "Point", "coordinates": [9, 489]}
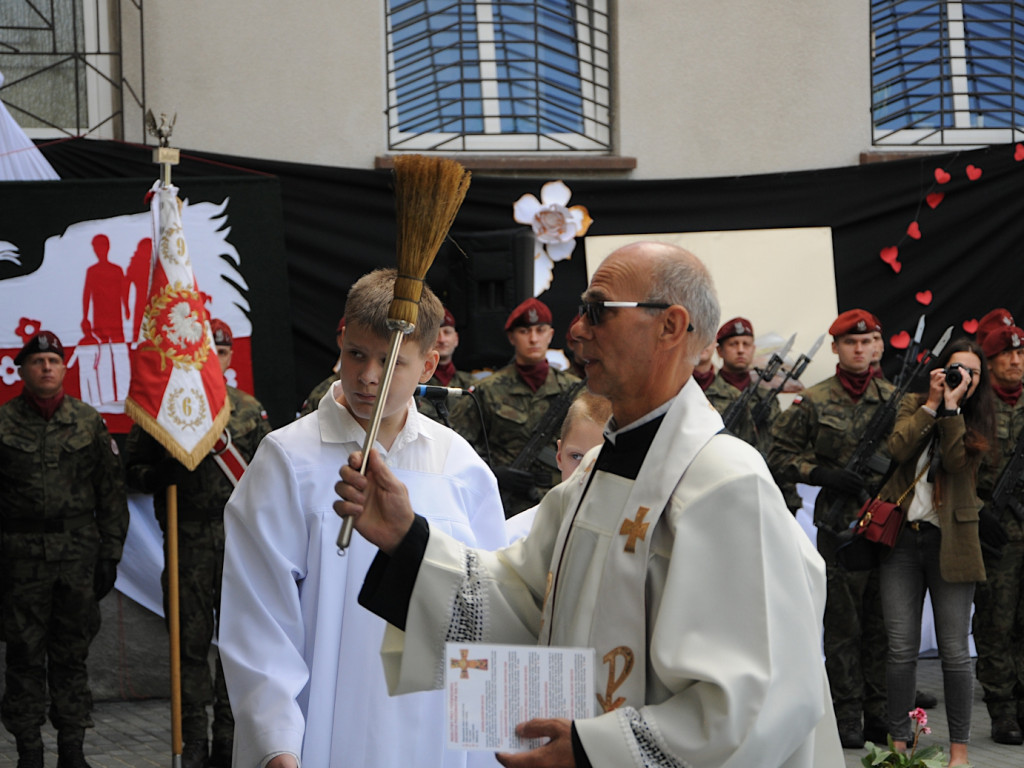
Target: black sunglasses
{"type": "Point", "coordinates": [593, 311]}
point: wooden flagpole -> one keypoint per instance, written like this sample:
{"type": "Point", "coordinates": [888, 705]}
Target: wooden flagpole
{"type": "Point", "coordinates": [166, 156]}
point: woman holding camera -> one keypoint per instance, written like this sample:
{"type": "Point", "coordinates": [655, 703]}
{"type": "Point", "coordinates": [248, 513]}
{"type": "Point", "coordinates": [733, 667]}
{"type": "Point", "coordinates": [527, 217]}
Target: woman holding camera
{"type": "Point", "coordinates": [937, 441]}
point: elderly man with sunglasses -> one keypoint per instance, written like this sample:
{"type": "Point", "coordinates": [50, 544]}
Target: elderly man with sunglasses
{"type": "Point", "coordinates": [669, 551]}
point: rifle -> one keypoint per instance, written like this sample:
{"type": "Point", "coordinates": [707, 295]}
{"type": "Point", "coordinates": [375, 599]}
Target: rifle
{"type": "Point", "coordinates": [910, 355]}
{"type": "Point", "coordinates": [1004, 494]}
{"type": "Point", "coordinates": [865, 459]}
{"type": "Point", "coordinates": [541, 437]}
{"type": "Point", "coordinates": [764, 406]}
{"type": "Point", "coordinates": [739, 406]}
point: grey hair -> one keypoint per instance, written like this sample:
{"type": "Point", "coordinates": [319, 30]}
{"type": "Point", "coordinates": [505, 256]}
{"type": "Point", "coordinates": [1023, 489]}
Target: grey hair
{"type": "Point", "coordinates": [679, 277]}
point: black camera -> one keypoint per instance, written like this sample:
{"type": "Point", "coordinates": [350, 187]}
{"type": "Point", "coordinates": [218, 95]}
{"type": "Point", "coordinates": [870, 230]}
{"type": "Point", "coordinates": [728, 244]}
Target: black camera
{"type": "Point", "coordinates": [955, 374]}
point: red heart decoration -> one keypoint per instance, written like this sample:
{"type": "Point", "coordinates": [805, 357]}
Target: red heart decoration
{"type": "Point", "coordinates": [897, 266]}
{"type": "Point", "coordinates": [914, 230]}
{"type": "Point", "coordinates": [970, 326]}
{"type": "Point", "coordinates": [890, 254]}
{"type": "Point", "coordinates": [934, 199]}
{"type": "Point", "coordinates": [900, 341]}
{"type": "Point", "coordinates": [941, 176]}
{"type": "Point", "coordinates": [1018, 153]}
{"type": "Point", "coordinates": [973, 172]}
{"type": "Point", "coordinates": [924, 297]}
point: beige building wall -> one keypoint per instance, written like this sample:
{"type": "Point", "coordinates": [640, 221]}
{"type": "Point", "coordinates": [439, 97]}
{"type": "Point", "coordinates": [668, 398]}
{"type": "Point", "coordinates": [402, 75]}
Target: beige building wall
{"type": "Point", "coordinates": [702, 87]}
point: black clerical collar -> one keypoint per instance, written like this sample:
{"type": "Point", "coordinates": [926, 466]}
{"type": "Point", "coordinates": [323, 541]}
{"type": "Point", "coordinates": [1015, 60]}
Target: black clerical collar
{"type": "Point", "coordinates": [624, 451]}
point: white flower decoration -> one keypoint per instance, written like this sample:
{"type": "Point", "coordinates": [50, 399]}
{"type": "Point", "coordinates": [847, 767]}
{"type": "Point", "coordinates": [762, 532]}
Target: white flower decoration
{"type": "Point", "coordinates": [8, 371]}
{"type": "Point", "coordinates": [555, 225]}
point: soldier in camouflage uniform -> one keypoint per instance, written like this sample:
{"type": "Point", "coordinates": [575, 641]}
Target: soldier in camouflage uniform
{"type": "Point", "coordinates": [735, 340]}
{"type": "Point", "coordinates": [64, 517]}
{"type": "Point", "coordinates": [202, 495]}
{"type": "Point", "coordinates": [317, 394]}
{"type": "Point", "coordinates": [811, 443]}
{"type": "Point", "coordinates": [999, 611]}
{"type": "Point", "coordinates": [514, 401]}
{"type": "Point", "coordinates": [445, 375]}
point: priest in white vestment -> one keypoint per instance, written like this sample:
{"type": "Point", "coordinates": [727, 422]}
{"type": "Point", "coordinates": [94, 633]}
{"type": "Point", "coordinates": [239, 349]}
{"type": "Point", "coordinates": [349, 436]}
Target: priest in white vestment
{"type": "Point", "coordinates": [670, 552]}
{"type": "Point", "coordinates": [300, 656]}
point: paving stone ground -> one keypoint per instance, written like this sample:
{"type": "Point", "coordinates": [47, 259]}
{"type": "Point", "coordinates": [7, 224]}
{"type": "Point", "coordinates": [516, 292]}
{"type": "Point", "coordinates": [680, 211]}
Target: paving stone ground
{"type": "Point", "coordinates": [137, 733]}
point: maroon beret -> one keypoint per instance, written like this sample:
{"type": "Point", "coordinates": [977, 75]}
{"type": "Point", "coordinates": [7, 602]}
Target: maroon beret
{"type": "Point", "coordinates": [1001, 339]}
{"type": "Point", "coordinates": [530, 312]}
{"type": "Point", "coordinates": [738, 326]}
{"type": "Point", "coordinates": [341, 326]}
{"type": "Point", "coordinates": [222, 336]}
{"type": "Point", "coordinates": [448, 319]}
{"type": "Point", "coordinates": [993, 321]}
{"type": "Point", "coordinates": [854, 321]}
{"type": "Point", "coordinates": [44, 341]}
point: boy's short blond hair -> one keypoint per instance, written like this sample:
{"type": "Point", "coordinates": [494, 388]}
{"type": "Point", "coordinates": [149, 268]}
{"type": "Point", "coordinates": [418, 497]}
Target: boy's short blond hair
{"type": "Point", "coordinates": [589, 407]}
{"type": "Point", "coordinates": [370, 298]}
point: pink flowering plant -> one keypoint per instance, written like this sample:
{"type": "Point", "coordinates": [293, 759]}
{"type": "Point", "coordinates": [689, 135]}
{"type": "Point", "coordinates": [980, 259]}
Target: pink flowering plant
{"type": "Point", "coordinates": [928, 757]}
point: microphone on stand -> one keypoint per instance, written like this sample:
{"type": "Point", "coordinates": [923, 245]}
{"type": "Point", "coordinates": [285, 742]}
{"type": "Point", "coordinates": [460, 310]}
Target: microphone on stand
{"type": "Point", "coordinates": [439, 393]}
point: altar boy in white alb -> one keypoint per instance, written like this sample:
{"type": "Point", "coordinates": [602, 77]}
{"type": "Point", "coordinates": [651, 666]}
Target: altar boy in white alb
{"type": "Point", "coordinates": [670, 551]}
{"type": "Point", "coordinates": [301, 657]}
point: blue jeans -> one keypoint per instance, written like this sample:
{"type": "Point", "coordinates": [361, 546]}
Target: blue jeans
{"type": "Point", "coordinates": [911, 569]}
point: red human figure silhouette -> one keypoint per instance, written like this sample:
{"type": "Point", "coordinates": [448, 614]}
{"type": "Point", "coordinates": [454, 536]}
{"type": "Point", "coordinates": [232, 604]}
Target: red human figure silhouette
{"type": "Point", "coordinates": [138, 275]}
{"type": "Point", "coordinates": [104, 290]}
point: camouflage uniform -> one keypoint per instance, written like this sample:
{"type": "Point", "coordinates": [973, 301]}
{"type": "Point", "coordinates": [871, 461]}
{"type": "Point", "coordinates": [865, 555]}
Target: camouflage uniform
{"type": "Point", "coordinates": [202, 495]}
{"type": "Point", "coordinates": [461, 380]}
{"type": "Point", "coordinates": [822, 428]}
{"type": "Point", "coordinates": [62, 510]}
{"type": "Point", "coordinates": [722, 394]}
{"type": "Point", "coordinates": [999, 614]}
{"type": "Point", "coordinates": [317, 394]}
{"type": "Point", "coordinates": [512, 412]}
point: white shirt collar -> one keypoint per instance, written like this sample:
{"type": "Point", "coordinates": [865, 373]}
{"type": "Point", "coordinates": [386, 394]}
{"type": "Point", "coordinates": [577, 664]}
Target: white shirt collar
{"type": "Point", "coordinates": [338, 425]}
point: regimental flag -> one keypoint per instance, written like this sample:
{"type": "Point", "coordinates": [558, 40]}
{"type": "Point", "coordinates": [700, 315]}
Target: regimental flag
{"type": "Point", "coordinates": [177, 392]}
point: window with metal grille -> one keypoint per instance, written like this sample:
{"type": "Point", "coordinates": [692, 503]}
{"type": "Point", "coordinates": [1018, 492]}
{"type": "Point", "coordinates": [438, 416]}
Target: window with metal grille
{"type": "Point", "coordinates": [498, 75]}
{"type": "Point", "coordinates": [947, 72]}
{"type": "Point", "coordinates": [73, 67]}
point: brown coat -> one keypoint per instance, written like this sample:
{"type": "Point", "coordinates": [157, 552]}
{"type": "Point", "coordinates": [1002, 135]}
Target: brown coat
{"type": "Point", "coordinates": [957, 504]}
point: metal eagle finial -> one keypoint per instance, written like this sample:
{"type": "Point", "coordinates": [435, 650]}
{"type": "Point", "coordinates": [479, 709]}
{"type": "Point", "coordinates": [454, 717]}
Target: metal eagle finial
{"type": "Point", "coordinates": [161, 132]}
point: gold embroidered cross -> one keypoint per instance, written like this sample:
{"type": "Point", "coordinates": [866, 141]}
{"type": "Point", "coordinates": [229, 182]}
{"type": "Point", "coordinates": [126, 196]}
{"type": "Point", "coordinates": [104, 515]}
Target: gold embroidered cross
{"type": "Point", "coordinates": [465, 664]}
{"type": "Point", "coordinates": [635, 529]}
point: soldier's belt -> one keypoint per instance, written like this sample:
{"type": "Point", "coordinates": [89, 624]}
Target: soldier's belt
{"type": "Point", "coordinates": [53, 525]}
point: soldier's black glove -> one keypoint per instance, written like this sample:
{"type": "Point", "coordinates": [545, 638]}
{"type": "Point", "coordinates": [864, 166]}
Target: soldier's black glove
{"type": "Point", "coordinates": [517, 481]}
{"type": "Point", "coordinates": [841, 480]}
{"type": "Point", "coordinates": [992, 534]}
{"type": "Point", "coordinates": [167, 472]}
{"type": "Point", "coordinates": [104, 578]}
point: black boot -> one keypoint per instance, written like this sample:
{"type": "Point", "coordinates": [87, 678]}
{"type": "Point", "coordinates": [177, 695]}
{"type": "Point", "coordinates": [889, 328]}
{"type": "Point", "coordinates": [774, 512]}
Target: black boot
{"type": "Point", "coordinates": [69, 750]}
{"type": "Point", "coordinates": [220, 754]}
{"type": "Point", "coordinates": [1006, 730]}
{"type": "Point", "coordinates": [30, 750]}
{"type": "Point", "coordinates": [195, 754]}
{"type": "Point", "coordinates": [851, 735]}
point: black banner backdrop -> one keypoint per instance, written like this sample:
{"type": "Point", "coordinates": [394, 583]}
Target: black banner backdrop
{"type": "Point", "coordinates": [956, 222]}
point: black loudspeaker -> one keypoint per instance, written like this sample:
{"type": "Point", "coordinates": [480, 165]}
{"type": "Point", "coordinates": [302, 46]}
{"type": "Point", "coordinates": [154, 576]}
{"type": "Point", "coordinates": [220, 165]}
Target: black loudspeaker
{"type": "Point", "coordinates": [481, 277]}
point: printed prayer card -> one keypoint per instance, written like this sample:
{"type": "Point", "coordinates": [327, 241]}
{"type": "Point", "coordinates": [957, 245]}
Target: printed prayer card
{"type": "Point", "coordinates": [492, 688]}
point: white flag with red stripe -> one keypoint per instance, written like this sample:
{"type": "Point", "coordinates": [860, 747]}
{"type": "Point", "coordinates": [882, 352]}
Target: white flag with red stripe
{"type": "Point", "coordinates": [177, 392]}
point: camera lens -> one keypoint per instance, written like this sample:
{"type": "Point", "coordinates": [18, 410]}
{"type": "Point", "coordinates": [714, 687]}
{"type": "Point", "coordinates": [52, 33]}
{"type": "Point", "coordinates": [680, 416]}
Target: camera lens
{"type": "Point", "coordinates": [953, 376]}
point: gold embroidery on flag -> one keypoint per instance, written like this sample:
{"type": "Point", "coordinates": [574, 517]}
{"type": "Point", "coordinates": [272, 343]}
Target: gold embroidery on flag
{"type": "Point", "coordinates": [175, 325]}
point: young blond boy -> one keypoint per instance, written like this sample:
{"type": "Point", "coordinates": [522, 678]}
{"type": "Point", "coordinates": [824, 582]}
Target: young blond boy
{"type": "Point", "coordinates": [301, 657]}
{"type": "Point", "coordinates": [582, 429]}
